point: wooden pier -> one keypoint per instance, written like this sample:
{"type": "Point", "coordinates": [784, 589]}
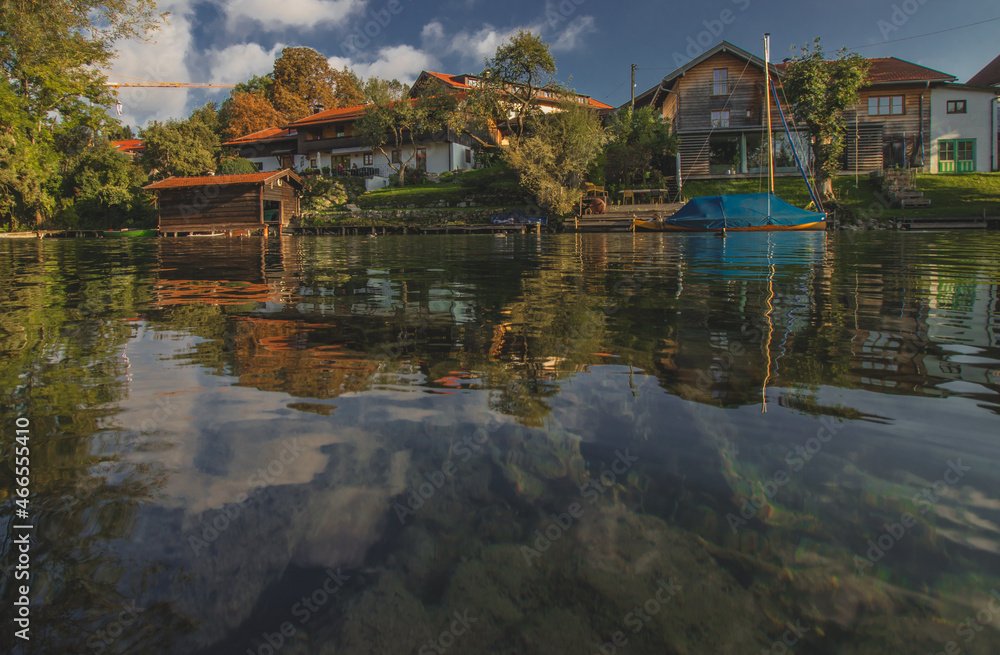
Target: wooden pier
{"type": "Point", "coordinates": [619, 218]}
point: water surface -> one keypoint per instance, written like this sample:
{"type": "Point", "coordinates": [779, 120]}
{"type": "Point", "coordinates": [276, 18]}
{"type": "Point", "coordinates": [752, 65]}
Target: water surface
{"type": "Point", "coordinates": [592, 443]}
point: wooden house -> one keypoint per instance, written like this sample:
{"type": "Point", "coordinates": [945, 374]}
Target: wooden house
{"type": "Point", "coordinates": [227, 203]}
{"type": "Point", "coordinates": [715, 103]}
{"type": "Point", "coordinates": [890, 127]}
{"type": "Point", "coordinates": [273, 149]}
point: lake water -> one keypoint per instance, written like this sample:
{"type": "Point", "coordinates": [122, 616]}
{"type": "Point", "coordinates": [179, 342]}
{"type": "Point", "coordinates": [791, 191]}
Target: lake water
{"type": "Point", "coordinates": [560, 444]}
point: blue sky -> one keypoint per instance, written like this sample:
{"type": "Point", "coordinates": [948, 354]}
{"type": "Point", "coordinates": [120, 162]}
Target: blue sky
{"type": "Point", "coordinates": [594, 42]}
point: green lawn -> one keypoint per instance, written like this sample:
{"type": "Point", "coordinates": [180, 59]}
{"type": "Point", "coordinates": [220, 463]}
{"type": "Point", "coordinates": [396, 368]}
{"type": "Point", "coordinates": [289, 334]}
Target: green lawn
{"type": "Point", "coordinates": [483, 186]}
{"type": "Point", "coordinates": [950, 195]}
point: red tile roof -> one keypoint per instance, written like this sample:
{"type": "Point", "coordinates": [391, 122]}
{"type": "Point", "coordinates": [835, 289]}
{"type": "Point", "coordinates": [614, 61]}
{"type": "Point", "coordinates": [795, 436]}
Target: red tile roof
{"type": "Point", "coordinates": [270, 134]}
{"type": "Point", "coordinates": [217, 180]}
{"type": "Point", "coordinates": [450, 80]}
{"type": "Point", "coordinates": [454, 82]}
{"type": "Point", "coordinates": [129, 145]}
{"type": "Point", "coordinates": [989, 76]}
{"type": "Point", "coordinates": [890, 69]}
{"type": "Point", "coordinates": [339, 114]}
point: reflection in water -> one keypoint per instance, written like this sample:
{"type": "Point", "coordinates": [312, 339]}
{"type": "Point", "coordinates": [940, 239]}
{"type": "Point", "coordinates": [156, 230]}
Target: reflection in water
{"type": "Point", "coordinates": [361, 438]}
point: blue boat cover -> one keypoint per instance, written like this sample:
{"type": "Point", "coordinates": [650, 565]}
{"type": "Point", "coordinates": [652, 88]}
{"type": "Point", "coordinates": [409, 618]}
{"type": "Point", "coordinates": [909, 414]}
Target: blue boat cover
{"type": "Point", "coordinates": [741, 210]}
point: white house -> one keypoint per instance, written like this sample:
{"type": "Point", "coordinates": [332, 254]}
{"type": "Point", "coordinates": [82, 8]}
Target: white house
{"type": "Point", "coordinates": [963, 129]}
{"type": "Point", "coordinates": [990, 77]}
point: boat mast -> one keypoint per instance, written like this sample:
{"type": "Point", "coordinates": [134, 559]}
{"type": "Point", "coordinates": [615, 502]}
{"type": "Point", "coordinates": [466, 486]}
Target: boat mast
{"type": "Point", "coordinates": [767, 105]}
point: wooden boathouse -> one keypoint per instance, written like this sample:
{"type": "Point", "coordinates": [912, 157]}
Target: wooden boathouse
{"type": "Point", "coordinates": [227, 203]}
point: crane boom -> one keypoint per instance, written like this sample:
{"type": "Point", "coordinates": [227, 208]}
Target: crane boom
{"type": "Point", "coordinates": [182, 85]}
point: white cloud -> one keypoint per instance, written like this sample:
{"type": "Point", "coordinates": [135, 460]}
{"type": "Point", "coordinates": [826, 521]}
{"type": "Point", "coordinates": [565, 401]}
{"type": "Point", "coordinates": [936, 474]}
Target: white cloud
{"type": "Point", "coordinates": [240, 62]}
{"type": "Point", "coordinates": [301, 14]}
{"type": "Point", "coordinates": [573, 34]}
{"type": "Point", "coordinates": [162, 59]}
{"type": "Point", "coordinates": [402, 62]}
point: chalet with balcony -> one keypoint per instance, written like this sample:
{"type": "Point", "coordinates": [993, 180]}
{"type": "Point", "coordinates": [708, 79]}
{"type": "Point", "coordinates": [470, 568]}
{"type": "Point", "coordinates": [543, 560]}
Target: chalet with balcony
{"type": "Point", "coordinates": [328, 138]}
{"type": "Point", "coordinates": [715, 104]}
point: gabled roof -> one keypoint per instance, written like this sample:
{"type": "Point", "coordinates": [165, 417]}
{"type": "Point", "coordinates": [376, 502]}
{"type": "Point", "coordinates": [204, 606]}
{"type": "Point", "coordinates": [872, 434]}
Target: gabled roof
{"type": "Point", "coordinates": [989, 76]}
{"type": "Point", "coordinates": [129, 145]}
{"type": "Point", "coordinates": [886, 70]}
{"type": "Point", "coordinates": [219, 180]}
{"type": "Point", "coordinates": [328, 116]}
{"type": "Point", "coordinates": [453, 81]}
{"type": "Point", "coordinates": [460, 82]}
{"type": "Point", "coordinates": [649, 96]}
{"type": "Point", "coordinates": [270, 134]}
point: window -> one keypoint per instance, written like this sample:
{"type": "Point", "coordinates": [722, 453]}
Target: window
{"type": "Point", "coordinates": [468, 156]}
{"type": "Point", "coordinates": [312, 163]}
{"type": "Point", "coordinates": [966, 150]}
{"type": "Point", "coordinates": [421, 159]}
{"type": "Point", "coordinates": [397, 156]}
{"type": "Point", "coordinates": [720, 82]}
{"type": "Point", "coordinates": [956, 106]}
{"type": "Point", "coordinates": [341, 130]}
{"type": "Point", "coordinates": [259, 165]}
{"type": "Point", "coordinates": [720, 118]}
{"type": "Point", "coordinates": [947, 151]}
{"type": "Point", "coordinates": [885, 106]}
{"type": "Point", "coordinates": [369, 159]}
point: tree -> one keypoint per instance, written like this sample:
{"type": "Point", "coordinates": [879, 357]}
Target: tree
{"type": "Point", "coordinates": [639, 142]}
{"type": "Point", "coordinates": [304, 81]}
{"type": "Point", "coordinates": [245, 113]}
{"type": "Point", "coordinates": [51, 90]}
{"type": "Point", "coordinates": [393, 119]}
{"type": "Point", "coordinates": [235, 166]}
{"type": "Point", "coordinates": [180, 148]}
{"type": "Point", "coordinates": [819, 91]}
{"type": "Point", "coordinates": [102, 189]}
{"type": "Point", "coordinates": [514, 78]}
{"type": "Point", "coordinates": [553, 154]}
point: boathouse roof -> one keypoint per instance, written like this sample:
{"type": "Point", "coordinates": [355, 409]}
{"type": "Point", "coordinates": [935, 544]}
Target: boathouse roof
{"type": "Point", "coordinates": [217, 180]}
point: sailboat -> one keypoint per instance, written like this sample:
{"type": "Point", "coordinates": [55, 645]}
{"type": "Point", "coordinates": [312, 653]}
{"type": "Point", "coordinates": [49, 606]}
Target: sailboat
{"type": "Point", "coordinates": [749, 212]}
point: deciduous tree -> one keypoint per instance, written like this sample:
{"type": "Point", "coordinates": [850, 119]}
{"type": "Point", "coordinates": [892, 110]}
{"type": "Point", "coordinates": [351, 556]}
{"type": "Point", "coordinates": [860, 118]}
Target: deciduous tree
{"type": "Point", "coordinates": [50, 88]}
{"type": "Point", "coordinates": [553, 153]}
{"type": "Point", "coordinates": [245, 113]}
{"type": "Point", "coordinates": [393, 119]}
{"type": "Point", "coordinates": [304, 81]}
{"type": "Point", "coordinates": [819, 92]}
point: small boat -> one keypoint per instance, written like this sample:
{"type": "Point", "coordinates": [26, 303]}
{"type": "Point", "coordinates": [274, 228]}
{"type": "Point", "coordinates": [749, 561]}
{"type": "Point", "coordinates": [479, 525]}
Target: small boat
{"type": "Point", "coordinates": [751, 212]}
{"type": "Point", "coordinates": [129, 233]}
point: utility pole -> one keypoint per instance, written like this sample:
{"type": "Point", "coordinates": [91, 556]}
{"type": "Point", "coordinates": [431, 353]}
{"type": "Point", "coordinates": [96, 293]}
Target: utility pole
{"type": "Point", "coordinates": [633, 86]}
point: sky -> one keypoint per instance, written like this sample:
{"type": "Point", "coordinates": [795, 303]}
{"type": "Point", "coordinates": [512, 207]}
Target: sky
{"type": "Point", "coordinates": [594, 43]}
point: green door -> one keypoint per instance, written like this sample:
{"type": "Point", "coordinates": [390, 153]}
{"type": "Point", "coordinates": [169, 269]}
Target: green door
{"type": "Point", "coordinates": [957, 156]}
{"type": "Point", "coordinates": [946, 156]}
{"type": "Point", "coordinates": [966, 156]}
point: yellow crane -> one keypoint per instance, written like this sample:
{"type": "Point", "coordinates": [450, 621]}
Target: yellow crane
{"type": "Point", "coordinates": [152, 84]}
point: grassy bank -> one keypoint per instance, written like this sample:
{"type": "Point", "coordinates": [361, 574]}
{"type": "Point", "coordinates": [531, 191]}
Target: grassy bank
{"type": "Point", "coordinates": [484, 187]}
{"type": "Point", "coordinates": [950, 195]}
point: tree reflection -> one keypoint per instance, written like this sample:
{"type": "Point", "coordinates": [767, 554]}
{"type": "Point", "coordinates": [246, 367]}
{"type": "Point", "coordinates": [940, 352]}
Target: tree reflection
{"type": "Point", "coordinates": [62, 338]}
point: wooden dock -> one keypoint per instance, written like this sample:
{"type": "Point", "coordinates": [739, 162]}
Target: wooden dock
{"type": "Point", "coordinates": [960, 223]}
{"type": "Point", "coordinates": [619, 218]}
